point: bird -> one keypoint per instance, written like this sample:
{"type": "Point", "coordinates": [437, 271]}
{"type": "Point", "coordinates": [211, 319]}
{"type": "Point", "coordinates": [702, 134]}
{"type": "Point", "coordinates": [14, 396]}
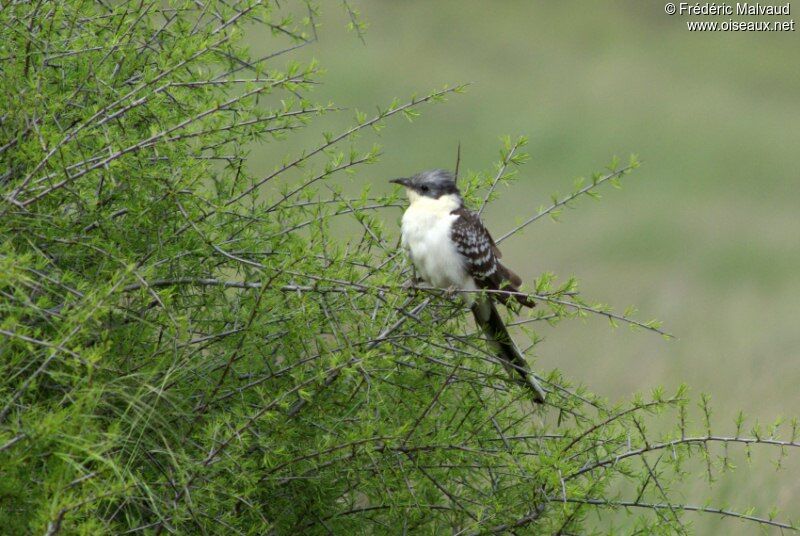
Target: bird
{"type": "Point", "coordinates": [451, 249]}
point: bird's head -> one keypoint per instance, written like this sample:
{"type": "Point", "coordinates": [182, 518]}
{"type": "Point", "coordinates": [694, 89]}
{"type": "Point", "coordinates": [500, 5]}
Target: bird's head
{"type": "Point", "coordinates": [433, 184]}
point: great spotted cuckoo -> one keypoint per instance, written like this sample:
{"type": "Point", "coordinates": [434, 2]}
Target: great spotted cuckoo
{"type": "Point", "coordinates": [451, 249]}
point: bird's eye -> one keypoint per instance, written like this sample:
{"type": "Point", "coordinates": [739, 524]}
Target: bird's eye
{"type": "Point", "coordinates": [424, 188]}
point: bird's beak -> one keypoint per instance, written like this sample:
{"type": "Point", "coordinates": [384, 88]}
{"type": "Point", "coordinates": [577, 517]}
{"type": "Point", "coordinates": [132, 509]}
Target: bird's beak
{"type": "Point", "coordinates": [401, 181]}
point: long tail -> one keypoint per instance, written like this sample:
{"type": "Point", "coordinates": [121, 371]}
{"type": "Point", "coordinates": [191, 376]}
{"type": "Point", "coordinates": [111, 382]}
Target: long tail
{"type": "Point", "coordinates": [490, 321]}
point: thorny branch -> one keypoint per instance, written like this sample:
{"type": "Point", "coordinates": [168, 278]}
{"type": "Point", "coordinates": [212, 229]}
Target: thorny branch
{"type": "Point", "coordinates": [191, 337]}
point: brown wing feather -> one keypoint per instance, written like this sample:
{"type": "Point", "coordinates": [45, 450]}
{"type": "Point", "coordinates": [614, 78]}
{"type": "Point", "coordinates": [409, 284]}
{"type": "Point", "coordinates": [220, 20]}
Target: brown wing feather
{"type": "Point", "coordinates": [481, 256]}
{"type": "Point", "coordinates": [513, 278]}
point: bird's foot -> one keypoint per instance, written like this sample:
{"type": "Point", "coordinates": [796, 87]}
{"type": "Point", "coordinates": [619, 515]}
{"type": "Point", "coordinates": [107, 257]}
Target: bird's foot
{"type": "Point", "coordinates": [412, 282]}
{"type": "Point", "coordinates": [450, 291]}
{"type": "Point", "coordinates": [412, 285]}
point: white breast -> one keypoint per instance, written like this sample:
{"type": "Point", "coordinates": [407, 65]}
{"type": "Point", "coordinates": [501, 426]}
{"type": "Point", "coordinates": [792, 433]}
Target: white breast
{"type": "Point", "coordinates": [426, 236]}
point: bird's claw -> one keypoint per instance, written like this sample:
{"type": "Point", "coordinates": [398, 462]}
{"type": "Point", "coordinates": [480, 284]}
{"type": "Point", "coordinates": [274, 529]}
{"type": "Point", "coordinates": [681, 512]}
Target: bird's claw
{"type": "Point", "coordinates": [412, 285]}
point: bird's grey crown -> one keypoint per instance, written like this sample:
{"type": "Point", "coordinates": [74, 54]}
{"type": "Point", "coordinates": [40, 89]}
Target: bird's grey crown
{"type": "Point", "coordinates": [432, 183]}
{"type": "Point", "coordinates": [434, 176]}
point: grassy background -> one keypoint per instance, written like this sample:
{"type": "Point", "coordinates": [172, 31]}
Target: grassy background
{"type": "Point", "coordinates": [705, 236]}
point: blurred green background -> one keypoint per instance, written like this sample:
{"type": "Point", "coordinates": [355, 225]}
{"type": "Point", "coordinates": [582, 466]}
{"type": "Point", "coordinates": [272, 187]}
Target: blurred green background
{"type": "Point", "coordinates": [704, 236]}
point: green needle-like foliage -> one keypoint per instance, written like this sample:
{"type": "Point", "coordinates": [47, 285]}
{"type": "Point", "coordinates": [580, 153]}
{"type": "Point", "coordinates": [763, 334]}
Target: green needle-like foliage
{"type": "Point", "coordinates": [187, 347]}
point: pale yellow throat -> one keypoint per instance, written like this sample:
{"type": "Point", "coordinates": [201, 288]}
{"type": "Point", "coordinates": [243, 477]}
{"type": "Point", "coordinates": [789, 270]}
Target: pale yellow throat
{"type": "Point", "coordinates": [443, 205]}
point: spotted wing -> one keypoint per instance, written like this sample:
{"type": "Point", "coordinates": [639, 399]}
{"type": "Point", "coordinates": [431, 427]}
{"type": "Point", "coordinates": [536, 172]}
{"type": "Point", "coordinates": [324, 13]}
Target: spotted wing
{"type": "Point", "coordinates": [474, 243]}
{"type": "Point", "coordinates": [481, 255]}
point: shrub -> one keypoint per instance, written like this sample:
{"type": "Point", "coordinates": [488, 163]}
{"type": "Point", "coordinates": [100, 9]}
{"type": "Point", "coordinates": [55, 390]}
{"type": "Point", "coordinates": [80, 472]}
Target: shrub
{"type": "Point", "coordinates": [188, 347]}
